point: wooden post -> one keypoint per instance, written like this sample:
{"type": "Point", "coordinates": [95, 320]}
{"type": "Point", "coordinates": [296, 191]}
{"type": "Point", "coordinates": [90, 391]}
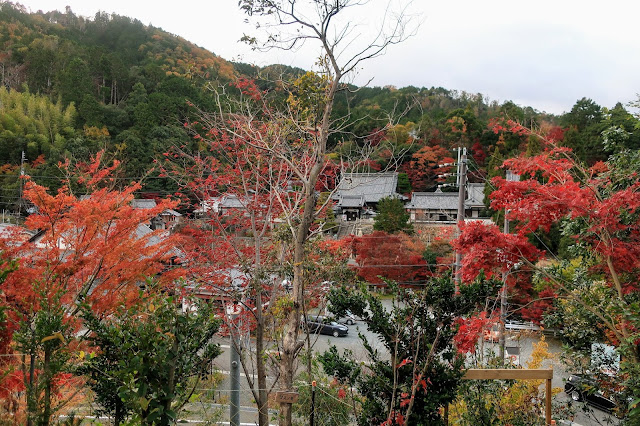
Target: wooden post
{"type": "Point", "coordinates": [548, 402]}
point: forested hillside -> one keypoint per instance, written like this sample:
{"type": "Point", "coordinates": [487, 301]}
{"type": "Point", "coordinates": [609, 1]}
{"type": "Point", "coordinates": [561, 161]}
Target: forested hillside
{"type": "Point", "coordinates": [73, 85]}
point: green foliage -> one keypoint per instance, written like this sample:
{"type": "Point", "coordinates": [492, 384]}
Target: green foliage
{"type": "Point", "coordinates": [44, 335]}
{"type": "Point", "coordinates": [404, 185]}
{"type": "Point", "coordinates": [332, 401]}
{"type": "Point", "coordinates": [148, 355]}
{"type": "Point", "coordinates": [392, 217]}
{"type": "Point", "coordinates": [33, 124]}
{"type": "Point", "coordinates": [74, 82]}
{"type": "Point", "coordinates": [585, 123]}
{"type": "Point", "coordinates": [418, 332]}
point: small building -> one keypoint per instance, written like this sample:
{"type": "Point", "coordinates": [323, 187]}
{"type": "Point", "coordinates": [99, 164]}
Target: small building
{"type": "Point", "coordinates": [165, 220]}
{"type": "Point", "coordinates": [474, 204]}
{"type": "Point", "coordinates": [442, 207]}
{"type": "Point", "coordinates": [431, 207]}
{"type": "Point", "coordinates": [220, 205]}
{"type": "Point", "coordinates": [358, 194]}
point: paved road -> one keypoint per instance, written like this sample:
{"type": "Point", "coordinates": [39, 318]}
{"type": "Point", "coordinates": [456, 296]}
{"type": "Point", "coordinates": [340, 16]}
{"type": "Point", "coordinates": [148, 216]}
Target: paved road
{"type": "Point", "coordinates": [523, 340]}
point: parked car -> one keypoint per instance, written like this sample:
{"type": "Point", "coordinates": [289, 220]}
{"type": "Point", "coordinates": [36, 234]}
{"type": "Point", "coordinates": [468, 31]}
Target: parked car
{"type": "Point", "coordinates": [348, 319]}
{"type": "Point", "coordinates": [585, 388]}
{"type": "Point", "coordinates": [323, 325]}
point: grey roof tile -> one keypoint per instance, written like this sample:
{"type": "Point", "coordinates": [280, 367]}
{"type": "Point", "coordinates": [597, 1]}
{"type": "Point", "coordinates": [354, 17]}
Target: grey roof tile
{"type": "Point", "coordinates": [447, 200]}
{"type": "Point", "coordinates": [143, 203]}
{"type": "Point", "coordinates": [434, 201]}
{"type": "Point", "coordinates": [352, 201]}
{"type": "Point", "coordinates": [372, 186]}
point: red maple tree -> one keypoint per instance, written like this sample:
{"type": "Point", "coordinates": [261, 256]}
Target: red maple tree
{"type": "Point", "coordinates": [395, 257]}
{"type": "Point", "coordinates": [601, 204]}
{"type": "Point", "coordinates": [424, 168]}
{"type": "Point", "coordinates": [94, 247]}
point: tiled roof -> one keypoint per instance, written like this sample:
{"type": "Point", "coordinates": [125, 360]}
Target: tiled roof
{"type": "Point", "coordinates": [372, 186]}
{"type": "Point", "coordinates": [143, 230]}
{"type": "Point", "coordinates": [140, 203]}
{"type": "Point", "coordinates": [475, 195]}
{"type": "Point", "coordinates": [352, 201]}
{"type": "Point", "coordinates": [434, 201]}
{"type": "Point", "coordinates": [231, 201]}
{"type": "Point", "coordinates": [227, 201]}
{"type": "Point", "coordinates": [171, 212]}
{"type": "Point", "coordinates": [447, 200]}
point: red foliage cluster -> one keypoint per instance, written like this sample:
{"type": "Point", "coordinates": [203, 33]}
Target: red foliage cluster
{"type": "Point", "coordinates": [544, 302]}
{"type": "Point", "coordinates": [499, 125]}
{"type": "Point", "coordinates": [93, 243]}
{"type": "Point", "coordinates": [96, 248]}
{"type": "Point", "coordinates": [478, 153]}
{"type": "Point", "coordinates": [552, 187]}
{"type": "Point", "coordinates": [487, 249]}
{"type": "Point", "coordinates": [538, 203]}
{"type": "Point", "coordinates": [396, 257]}
{"type": "Point", "coordinates": [328, 179]}
{"type": "Point", "coordinates": [249, 88]}
{"type": "Point", "coordinates": [395, 418]}
{"type": "Point", "coordinates": [470, 330]}
{"type": "Point", "coordinates": [423, 169]}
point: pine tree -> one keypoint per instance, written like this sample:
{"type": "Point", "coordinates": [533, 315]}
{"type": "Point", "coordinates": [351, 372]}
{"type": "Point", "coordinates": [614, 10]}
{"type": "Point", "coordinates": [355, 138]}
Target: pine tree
{"type": "Point", "coordinates": [392, 217]}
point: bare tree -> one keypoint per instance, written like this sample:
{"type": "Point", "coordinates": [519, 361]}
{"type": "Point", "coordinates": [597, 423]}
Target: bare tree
{"type": "Point", "coordinates": [288, 24]}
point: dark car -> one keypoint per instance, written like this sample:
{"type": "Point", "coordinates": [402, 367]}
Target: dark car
{"type": "Point", "coordinates": [323, 325]}
{"type": "Point", "coordinates": [585, 388]}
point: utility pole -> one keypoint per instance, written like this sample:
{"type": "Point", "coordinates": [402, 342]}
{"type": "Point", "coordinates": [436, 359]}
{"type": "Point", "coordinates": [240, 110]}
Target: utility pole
{"type": "Point", "coordinates": [462, 185]}
{"type": "Point", "coordinates": [22, 158]}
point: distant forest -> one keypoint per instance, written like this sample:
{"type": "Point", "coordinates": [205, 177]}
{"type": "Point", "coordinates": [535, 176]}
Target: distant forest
{"type": "Point", "coordinates": [72, 86]}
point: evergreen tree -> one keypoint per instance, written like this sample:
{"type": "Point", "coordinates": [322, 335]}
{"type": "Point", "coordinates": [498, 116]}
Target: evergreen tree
{"type": "Point", "coordinates": [392, 217]}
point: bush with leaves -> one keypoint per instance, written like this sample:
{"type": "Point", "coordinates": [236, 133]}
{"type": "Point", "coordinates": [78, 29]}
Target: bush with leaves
{"type": "Point", "coordinates": [146, 355]}
{"type": "Point", "coordinates": [333, 401]}
{"type": "Point", "coordinates": [504, 402]}
{"type": "Point", "coordinates": [44, 336]}
{"type": "Point", "coordinates": [424, 369]}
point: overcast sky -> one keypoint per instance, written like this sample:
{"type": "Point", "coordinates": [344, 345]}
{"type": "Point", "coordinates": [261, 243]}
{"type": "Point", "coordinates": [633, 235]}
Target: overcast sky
{"type": "Point", "coordinates": [546, 54]}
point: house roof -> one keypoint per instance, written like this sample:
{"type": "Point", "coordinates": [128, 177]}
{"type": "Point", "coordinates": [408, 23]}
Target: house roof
{"type": "Point", "coordinates": [139, 203]}
{"type": "Point", "coordinates": [475, 195]}
{"type": "Point", "coordinates": [143, 230]}
{"type": "Point", "coordinates": [170, 212]}
{"type": "Point", "coordinates": [231, 201]}
{"type": "Point", "coordinates": [434, 200]}
{"type": "Point", "coordinates": [371, 186]}
{"type": "Point", "coordinates": [227, 201]}
{"type": "Point", "coordinates": [136, 203]}
{"type": "Point", "coordinates": [352, 201]}
{"type": "Point", "coordinates": [447, 200]}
